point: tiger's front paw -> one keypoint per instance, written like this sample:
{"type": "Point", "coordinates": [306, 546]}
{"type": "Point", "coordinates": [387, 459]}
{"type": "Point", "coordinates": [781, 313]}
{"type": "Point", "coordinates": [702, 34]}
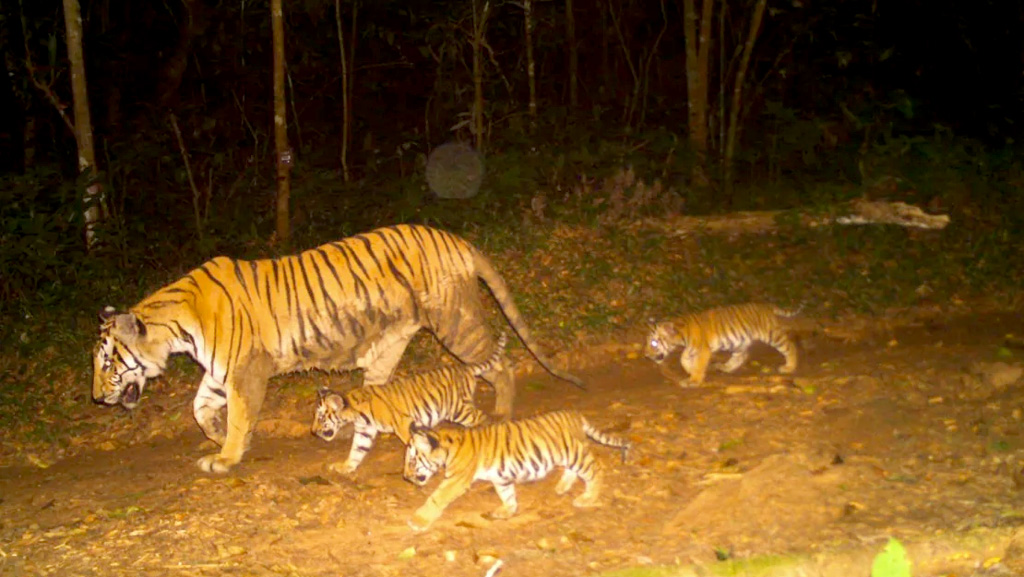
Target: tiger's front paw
{"type": "Point", "coordinates": [216, 463]}
{"type": "Point", "coordinates": [420, 522]}
{"type": "Point", "coordinates": [586, 500]}
{"type": "Point", "coordinates": [502, 512]}
{"type": "Point", "coordinates": [342, 468]}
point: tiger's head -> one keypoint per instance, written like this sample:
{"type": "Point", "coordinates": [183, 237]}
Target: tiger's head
{"type": "Point", "coordinates": [126, 356]}
{"type": "Point", "coordinates": [331, 414]}
{"type": "Point", "coordinates": [661, 341]}
{"type": "Point", "coordinates": [426, 454]}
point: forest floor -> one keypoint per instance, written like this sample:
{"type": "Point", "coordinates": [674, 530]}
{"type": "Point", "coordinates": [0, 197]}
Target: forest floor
{"type": "Point", "coordinates": [909, 427]}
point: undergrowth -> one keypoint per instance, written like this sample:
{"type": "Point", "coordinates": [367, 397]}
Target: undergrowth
{"type": "Point", "coordinates": [564, 225]}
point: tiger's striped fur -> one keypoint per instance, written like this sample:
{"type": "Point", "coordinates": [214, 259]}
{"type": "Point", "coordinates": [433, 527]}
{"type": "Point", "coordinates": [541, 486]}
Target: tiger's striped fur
{"type": "Point", "coordinates": [505, 454]}
{"type": "Point", "coordinates": [725, 329]}
{"type": "Point", "coordinates": [354, 303]}
{"type": "Point", "coordinates": [422, 399]}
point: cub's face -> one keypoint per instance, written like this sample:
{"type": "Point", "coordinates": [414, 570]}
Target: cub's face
{"type": "Point", "coordinates": [424, 456]}
{"type": "Point", "coordinates": [660, 342]}
{"type": "Point", "coordinates": [329, 415]}
{"type": "Point", "coordinates": [120, 370]}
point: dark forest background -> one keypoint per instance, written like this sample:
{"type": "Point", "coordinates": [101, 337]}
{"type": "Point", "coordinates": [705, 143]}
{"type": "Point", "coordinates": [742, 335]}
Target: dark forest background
{"type": "Point", "coordinates": [838, 97]}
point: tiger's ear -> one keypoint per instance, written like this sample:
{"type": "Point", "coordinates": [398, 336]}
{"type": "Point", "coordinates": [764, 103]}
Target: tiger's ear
{"type": "Point", "coordinates": [424, 442]}
{"type": "Point", "coordinates": [128, 327]}
{"type": "Point", "coordinates": [107, 313]}
{"type": "Point", "coordinates": [422, 438]}
{"type": "Point", "coordinates": [334, 401]}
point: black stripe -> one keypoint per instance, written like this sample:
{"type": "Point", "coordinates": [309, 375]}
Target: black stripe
{"type": "Point", "coordinates": [332, 306]}
{"type": "Point", "coordinates": [297, 312]}
{"type": "Point", "coordinates": [448, 254]}
{"type": "Point", "coordinates": [240, 276]}
{"type": "Point", "coordinates": [362, 290]}
{"type": "Point", "coordinates": [426, 271]}
{"type": "Point", "coordinates": [309, 285]}
{"type": "Point", "coordinates": [371, 250]}
{"type": "Point", "coordinates": [401, 278]}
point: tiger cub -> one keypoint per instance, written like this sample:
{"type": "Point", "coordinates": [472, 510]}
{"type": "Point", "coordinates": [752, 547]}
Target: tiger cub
{"type": "Point", "coordinates": [504, 454]}
{"type": "Point", "coordinates": [424, 399]}
{"type": "Point", "coordinates": [727, 329]}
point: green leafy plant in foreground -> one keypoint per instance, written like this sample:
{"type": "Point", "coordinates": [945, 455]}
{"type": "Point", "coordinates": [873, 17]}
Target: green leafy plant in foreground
{"type": "Point", "coordinates": [892, 561]}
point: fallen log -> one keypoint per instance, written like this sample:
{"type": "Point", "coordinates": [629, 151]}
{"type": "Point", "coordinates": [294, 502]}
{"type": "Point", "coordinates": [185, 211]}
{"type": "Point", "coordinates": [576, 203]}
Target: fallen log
{"type": "Point", "coordinates": [856, 212]}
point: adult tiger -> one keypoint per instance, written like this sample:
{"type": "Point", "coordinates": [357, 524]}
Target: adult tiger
{"type": "Point", "coordinates": [355, 303]}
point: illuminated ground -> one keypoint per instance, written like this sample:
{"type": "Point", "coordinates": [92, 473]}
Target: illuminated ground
{"type": "Point", "coordinates": [901, 428]}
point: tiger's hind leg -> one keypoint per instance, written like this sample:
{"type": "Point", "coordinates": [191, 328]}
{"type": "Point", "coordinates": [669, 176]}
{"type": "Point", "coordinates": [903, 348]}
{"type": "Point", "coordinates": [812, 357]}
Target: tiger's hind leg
{"type": "Point", "coordinates": [785, 345]}
{"type": "Point", "coordinates": [588, 469]}
{"type": "Point", "coordinates": [566, 482]}
{"type": "Point", "coordinates": [503, 379]}
{"type": "Point", "coordinates": [509, 504]}
{"type": "Point", "coordinates": [382, 358]}
{"type": "Point", "coordinates": [245, 392]}
{"type": "Point", "coordinates": [210, 400]}
{"type": "Point", "coordinates": [472, 343]}
{"type": "Point", "coordinates": [739, 356]}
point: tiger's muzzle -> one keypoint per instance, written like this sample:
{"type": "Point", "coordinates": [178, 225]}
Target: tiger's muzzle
{"type": "Point", "coordinates": [657, 355]}
{"type": "Point", "coordinates": [324, 431]}
{"type": "Point", "coordinates": [127, 393]}
{"type": "Point", "coordinates": [130, 395]}
{"type": "Point", "coordinates": [417, 478]}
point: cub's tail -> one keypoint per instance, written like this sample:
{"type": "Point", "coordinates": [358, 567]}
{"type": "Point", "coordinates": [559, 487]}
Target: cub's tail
{"type": "Point", "coordinates": [607, 439]}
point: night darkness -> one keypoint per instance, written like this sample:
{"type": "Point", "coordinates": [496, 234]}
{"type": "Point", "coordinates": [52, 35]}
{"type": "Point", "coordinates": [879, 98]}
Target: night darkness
{"type": "Point", "coordinates": [955, 64]}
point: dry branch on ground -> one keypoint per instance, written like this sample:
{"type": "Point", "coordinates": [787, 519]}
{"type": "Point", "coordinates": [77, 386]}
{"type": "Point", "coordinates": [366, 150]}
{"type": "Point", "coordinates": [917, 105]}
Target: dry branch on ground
{"type": "Point", "coordinates": [859, 211]}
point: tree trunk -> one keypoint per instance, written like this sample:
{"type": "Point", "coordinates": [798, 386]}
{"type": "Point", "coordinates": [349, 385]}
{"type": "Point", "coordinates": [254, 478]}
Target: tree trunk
{"type": "Point", "coordinates": [530, 65]}
{"type": "Point", "coordinates": [284, 152]}
{"type": "Point", "coordinates": [347, 61]}
{"type": "Point", "coordinates": [630, 108]}
{"type": "Point", "coordinates": [697, 55]}
{"type": "Point", "coordinates": [92, 190]}
{"type": "Point", "coordinates": [646, 74]}
{"type": "Point", "coordinates": [737, 94]}
{"type": "Point", "coordinates": [574, 55]}
{"type": "Point", "coordinates": [479, 28]}
{"type": "Point", "coordinates": [193, 24]}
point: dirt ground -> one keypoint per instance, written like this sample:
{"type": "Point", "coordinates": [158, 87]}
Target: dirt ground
{"type": "Point", "coordinates": [908, 428]}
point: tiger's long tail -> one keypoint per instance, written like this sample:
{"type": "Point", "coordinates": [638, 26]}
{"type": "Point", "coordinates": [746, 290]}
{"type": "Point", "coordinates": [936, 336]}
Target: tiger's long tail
{"type": "Point", "coordinates": [485, 270]}
{"type": "Point", "coordinates": [607, 439]}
